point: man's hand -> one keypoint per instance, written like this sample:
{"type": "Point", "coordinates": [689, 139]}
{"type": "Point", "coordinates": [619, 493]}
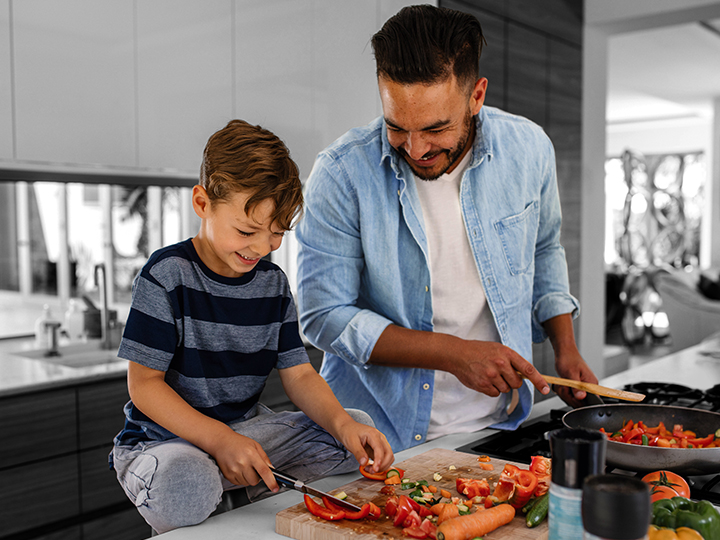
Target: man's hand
{"type": "Point", "coordinates": [492, 368]}
{"type": "Point", "coordinates": [243, 461]}
{"type": "Point", "coordinates": [568, 362]}
{"type": "Point", "coordinates": [572, 366]}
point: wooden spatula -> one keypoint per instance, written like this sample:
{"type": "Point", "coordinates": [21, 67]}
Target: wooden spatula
{"type": "Point", "coordinates": [594, 388]}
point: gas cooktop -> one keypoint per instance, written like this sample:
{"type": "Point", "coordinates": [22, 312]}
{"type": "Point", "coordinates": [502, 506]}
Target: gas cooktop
{"type": "Point", "coordinates": [530, 438]}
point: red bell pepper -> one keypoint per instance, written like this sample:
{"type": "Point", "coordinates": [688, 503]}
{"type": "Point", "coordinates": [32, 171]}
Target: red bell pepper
{"type": "Point", "coordinates": [525, 484]}
{"type": "Point", "coordinates": [321, 511]}
{"type": "Point", "coordinates": [349, 514]}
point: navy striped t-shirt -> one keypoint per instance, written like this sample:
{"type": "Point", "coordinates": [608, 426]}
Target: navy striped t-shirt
{"type": "Point", "coordinates": [216, 338]}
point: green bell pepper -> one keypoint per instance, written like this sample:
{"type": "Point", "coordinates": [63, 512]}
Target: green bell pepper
{"type": "Point", "coordinates": [681, 512]}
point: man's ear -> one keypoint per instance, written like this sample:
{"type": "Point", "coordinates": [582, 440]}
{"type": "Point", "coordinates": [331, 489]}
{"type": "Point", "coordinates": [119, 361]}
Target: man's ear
{"type": "Point", "coordinates": [477, 97]}
{"type": "Point", "coordinates": [200, 201]}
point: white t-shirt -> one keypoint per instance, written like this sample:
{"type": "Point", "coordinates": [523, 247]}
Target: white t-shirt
{"type": "Point", "coordinates": [459, 304]}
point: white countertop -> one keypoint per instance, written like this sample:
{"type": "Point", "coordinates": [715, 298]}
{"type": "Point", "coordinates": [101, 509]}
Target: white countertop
{"type": "Point", "coordinates": [696, 367]}
{"type": "Point", "coordinates": [21, 375]}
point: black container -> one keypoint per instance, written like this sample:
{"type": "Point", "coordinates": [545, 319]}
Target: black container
{"type": "Point", "coordinates": [576, 454]}
{"type": "Point", "coordinates": [616, 507]}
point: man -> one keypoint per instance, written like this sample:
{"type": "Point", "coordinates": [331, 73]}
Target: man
{"type": "Point", "coordinates": [429, 252]}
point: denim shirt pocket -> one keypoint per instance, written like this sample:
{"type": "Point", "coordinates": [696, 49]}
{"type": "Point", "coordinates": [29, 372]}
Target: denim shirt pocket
{"type": "Point", "coordinates": [518, 234]}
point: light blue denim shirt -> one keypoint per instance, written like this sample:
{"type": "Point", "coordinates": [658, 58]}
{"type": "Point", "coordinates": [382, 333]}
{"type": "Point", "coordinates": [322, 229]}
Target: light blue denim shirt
{"type": "Point", "coordinates": [363, 260]}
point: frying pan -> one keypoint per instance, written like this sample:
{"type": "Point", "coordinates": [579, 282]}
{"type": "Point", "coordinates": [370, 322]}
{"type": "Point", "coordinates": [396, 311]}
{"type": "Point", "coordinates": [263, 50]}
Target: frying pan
{"type": "Point", "coordinates": [632, 457]}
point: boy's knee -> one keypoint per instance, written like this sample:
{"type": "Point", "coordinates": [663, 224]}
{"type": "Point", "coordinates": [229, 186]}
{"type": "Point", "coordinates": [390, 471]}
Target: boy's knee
{"type": "Point", "coordinates": [361, 417]}
{"type": "Point", "coordinates": [183, 491]}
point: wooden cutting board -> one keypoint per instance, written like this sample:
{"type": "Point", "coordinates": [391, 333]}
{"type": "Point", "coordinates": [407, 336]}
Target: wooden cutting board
{"type": "Point", "coordinates": [296, 522]}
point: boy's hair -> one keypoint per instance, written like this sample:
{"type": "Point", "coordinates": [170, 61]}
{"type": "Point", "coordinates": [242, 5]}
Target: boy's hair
{"type": "Point", "coordinates": [425, 44]}
{"type": "Point", "coordinates": [243, 157]}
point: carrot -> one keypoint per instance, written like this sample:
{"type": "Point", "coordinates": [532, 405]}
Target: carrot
{"type": "Point", "coordinates": [432, 489]}
{"type": "Point", "coordinates": [486, 466]}
{"type": "Point", "coordinates": [445, 493]}
{"type": "Point", "coordinates": [479, 523]}
{"type": "Point", "coordinates": [450, 511]}
{"type": "Point", "coordinates": [393, 480]}
{"type": "Point", "coordinates": [435, 508]}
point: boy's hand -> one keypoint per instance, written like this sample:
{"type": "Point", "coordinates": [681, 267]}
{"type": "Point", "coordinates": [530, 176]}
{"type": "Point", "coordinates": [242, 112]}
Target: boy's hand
{"type": "Point", "coordinates": [367, 443]}
{"type": "Point", "coordinates": [243, 461]}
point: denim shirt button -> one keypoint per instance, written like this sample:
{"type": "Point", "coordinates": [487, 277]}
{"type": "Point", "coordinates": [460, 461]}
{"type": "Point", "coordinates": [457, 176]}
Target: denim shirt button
{"type": "Point", "coordinates": [418, 437]}
{"type": "Point", "coordinates": [426, 288]}
{"type": "Point", "coordinates": [475, 233]}
{"type": "Point", "coordinates": [426, 386]}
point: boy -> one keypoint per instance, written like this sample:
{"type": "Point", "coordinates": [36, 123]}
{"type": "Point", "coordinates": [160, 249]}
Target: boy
{"type": "Point", "coordinates": [209, 320]}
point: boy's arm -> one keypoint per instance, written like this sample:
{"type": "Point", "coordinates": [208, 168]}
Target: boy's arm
{"type": "Point", "coordinates": [241, 460]}
{"type": "Point", "coordinates": [312, 395]}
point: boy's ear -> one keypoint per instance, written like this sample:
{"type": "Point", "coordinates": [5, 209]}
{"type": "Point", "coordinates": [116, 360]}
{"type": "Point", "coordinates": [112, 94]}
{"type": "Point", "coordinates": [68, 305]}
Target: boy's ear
{"type": "Point", "coordinates": [200, 201]}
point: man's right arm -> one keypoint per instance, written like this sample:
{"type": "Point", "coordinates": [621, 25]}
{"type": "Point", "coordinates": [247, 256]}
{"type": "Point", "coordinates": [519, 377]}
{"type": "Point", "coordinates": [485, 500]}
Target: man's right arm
{"type": "Point", "coordinates": [485, 366]}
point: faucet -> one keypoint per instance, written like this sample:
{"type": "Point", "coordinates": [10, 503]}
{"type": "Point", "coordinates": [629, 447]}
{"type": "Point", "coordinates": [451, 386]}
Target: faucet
{"type": "Point", "coordinates": [104, 313]}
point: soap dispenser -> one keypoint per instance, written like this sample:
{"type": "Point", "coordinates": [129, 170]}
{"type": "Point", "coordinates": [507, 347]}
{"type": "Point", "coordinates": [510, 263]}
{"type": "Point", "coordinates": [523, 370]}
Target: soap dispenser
{"type": "Point", "coordinates": [75, 321]}
{"type": "Point", "coordinates": [42, 340]}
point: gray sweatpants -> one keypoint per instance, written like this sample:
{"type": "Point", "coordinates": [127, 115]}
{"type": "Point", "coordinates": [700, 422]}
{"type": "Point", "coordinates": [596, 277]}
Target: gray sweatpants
{"type": "Point", "coordinates": [175, 484]}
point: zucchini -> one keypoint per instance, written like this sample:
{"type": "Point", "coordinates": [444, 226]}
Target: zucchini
{"type": "Point", "coordinates": [342, 495]}
{"type": "Point", "coordinates": [529, 505]}
{"type": "Point", "coordinates": [392, 472]}
{"type": "Point", "coordinates": [537, 514]}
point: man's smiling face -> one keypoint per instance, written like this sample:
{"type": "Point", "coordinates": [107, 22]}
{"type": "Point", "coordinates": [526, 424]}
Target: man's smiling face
{"type": "Point", "coordinates": [431, 125]}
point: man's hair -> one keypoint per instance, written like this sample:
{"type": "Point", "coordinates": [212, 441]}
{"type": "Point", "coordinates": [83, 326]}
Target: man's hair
{"type": "Point", "coordinates": [243, 157]}
{"type": "Point", "coordinates": [425, 44]}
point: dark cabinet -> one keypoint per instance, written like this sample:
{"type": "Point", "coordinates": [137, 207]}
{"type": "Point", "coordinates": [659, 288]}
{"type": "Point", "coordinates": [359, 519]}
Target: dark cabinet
{"type": "Point", "coordinates": [54, 465]}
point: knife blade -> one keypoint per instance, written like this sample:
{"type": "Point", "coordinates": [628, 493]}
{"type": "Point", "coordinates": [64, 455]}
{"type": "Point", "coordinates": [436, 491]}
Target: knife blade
{"type": "Point", "coordinates": [299, 485]}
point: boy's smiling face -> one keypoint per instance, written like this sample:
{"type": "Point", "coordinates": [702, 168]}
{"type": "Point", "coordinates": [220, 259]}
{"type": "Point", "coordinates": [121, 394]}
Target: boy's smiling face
{"type": "Point", "coordinates": [231, 242]}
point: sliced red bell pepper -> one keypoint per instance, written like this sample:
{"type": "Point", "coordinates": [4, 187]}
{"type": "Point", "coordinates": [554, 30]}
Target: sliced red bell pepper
{"type": "Point", "coordinates": [322, 512]}
{"type": "Point", "coordinates": [504, 488]}
{"type": "Point", "coordinates": [702, 442]}
{"type": "Point", "coordinates": [525, 484]}
{"type": "Point", "coordinates": [541, 467]}
{"type": "Point", "coordinates": [372, 476]}
{"type": "Point", "coordinates": [374, 512]}
{"type": "Point", "coordinates": [349, 514]}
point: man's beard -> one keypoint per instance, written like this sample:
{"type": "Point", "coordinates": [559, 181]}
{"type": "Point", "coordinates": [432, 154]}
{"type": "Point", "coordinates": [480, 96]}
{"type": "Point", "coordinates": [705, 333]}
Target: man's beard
{"type": "Point", "coordinates": [453, 155]}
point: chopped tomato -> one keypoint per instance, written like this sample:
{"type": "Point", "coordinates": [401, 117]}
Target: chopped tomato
{"type": "Point", "coordinates": [391, 505]}
{"type": "Point", "coordinates": [405, 507]}
{"type": "Point", "coordinates": [429, 527]}
{"type": "Point", "coordinates": [412, 520]}
{"type": "Point", "coordinates": [414, 532]}
{"type": "Point", "coordinates": [388, 490]}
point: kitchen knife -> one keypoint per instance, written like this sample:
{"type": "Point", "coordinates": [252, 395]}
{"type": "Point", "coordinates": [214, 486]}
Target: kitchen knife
{"type": "Point", "coordinates": [294, 483]}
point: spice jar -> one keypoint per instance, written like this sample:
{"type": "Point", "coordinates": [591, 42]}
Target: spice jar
{"type": "Point", "coordinates": [576, 454]}
{"type": "Point", "coordinates": [615, 508]}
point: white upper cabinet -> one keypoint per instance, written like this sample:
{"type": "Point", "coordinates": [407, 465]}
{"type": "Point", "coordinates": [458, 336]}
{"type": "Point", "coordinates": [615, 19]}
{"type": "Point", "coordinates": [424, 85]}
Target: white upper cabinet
{"type": "Point", "coordinates": [274, 71]}
{"type": "Point", "coordinates": [74, 81]}
{"type": "Point", "coordinates": [144, 84]}
{"type": "Point", "coordinates": [184, 67]}
{"type": "Point", "coordinates": [6, 124]}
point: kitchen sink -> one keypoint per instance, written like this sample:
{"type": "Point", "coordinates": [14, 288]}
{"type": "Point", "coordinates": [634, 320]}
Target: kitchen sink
{"type": "Point", "coordinates": [76, 356]}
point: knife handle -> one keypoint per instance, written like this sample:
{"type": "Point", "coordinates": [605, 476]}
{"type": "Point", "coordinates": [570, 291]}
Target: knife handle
{"type": "Point", "coordinates": [287, 480]}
